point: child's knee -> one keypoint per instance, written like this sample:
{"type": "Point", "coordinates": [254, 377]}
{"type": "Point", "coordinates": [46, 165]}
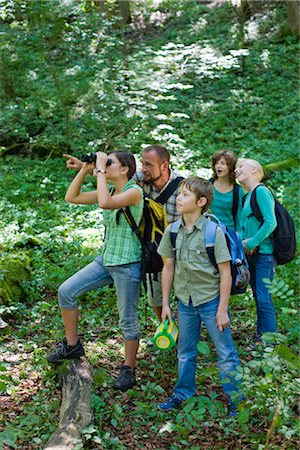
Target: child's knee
{"type": "Point", "coordinates": [65, 299]}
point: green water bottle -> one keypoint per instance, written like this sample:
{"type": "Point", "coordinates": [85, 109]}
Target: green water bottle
{"type": "Point", "coordinates": [165, 336]}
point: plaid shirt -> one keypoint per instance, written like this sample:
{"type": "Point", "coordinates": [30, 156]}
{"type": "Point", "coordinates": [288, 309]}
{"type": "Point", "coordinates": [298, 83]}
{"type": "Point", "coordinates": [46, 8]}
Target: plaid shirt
{"type": "Point", "coordinates": [151, 191]}
{"type": "Point", "coordinates": [121, 246]}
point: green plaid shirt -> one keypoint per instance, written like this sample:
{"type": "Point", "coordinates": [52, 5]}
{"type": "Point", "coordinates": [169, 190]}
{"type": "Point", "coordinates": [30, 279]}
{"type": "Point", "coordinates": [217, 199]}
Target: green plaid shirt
{"type": "Point", "coordinates": [121, 246]}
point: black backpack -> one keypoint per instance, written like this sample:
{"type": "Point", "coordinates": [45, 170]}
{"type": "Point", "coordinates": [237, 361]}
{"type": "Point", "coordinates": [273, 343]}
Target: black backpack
{"type": "Point", "coordinates": [238, 264]}
{"type": "Point", "coordinates": [151, 229]}
{"type": "Point", "coordinates": [235, 199]}
{"type": "Point", "coordinates": [283, 237]}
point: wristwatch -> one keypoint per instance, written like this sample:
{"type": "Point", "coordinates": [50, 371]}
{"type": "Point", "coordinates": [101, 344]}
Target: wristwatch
{"type": "Point", "coordinates": [101, 171]}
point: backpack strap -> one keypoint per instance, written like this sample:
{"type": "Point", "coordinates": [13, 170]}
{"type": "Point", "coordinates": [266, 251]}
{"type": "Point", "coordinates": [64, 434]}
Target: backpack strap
{"type": "Point", "coordinates": [235, 202]}
{"type": "Point", "coordinates": [132, 223]}
{"type": "Point", "coordinates": [174, 232]}
{"type": "Point", "coordinates": [170, 189]}
{"type": "Point", "coordinates": [254, 206]}
{"type": "Point", "coordinates": [209, 240]}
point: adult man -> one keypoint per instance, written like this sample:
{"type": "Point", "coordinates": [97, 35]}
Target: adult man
{"type": "Point", "coordinates": [154, 178]}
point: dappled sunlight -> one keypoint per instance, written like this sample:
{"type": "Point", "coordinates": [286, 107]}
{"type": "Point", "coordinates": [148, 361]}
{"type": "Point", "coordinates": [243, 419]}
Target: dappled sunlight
{"type": "Point", "coordinates": [204, 60]}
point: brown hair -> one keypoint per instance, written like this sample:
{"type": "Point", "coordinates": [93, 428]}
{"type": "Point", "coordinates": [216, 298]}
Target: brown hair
{"type": "Point", "coordinates": [201, 188]}
{"type": "Point", "coordinates": [127, 160]}
{"type": "Point", "coordinates": [161, 152]}
{"type": "Point", "coordinates": [230, 159]}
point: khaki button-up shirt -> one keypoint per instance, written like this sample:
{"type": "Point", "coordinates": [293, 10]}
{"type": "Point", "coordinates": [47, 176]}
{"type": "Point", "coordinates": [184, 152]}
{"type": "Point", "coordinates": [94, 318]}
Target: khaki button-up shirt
{"type": "Point", "coordinates": [195, 276]}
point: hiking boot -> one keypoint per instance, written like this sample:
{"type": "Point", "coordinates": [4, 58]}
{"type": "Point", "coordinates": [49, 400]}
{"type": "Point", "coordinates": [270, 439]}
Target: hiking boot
{"type": "Point", "coordinates": [126, 378]}
{"type": "Point", "coordinates": [65, 351]}
{"type": "Point", "coordinates": [170, 403]}
{"type": "Point", "coordinates": [256, 340]}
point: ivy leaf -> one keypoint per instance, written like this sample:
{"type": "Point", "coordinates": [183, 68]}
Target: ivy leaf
{"type": "Point", "coordinates": [243, 416]}
{"type": "Point", "coordinates": [203, 348]}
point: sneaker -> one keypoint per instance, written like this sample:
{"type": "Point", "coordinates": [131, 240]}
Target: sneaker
{"type": "Point", "coordinates": [65, 351]}
{"type": "Point", "coordinates": [170, 403]}
{"type": "Point", "coordinates": [256, 340]}
{"type": "Point", "coordinates": [126, 378]}
{"type": "Point", "coordinates": [232, 409]}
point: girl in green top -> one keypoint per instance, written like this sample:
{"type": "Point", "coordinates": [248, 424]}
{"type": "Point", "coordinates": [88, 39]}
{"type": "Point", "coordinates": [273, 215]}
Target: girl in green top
{"type": "Point", "coordinates": [120, 263]}
{"type": "Point", "coordinates": [227, 201]}
{"type": "Point", "coordinates": [257, 244]}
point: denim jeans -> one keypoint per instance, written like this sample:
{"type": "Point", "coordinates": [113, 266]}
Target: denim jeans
{"type": "Point", "coordinates": [262, 266]}
{"type": "Point", "coordinates": [190, 319]}
{"type": "Point", "coordinates": [95, 275]}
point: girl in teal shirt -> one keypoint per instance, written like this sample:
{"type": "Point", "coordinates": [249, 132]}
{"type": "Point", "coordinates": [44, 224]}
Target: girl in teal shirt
{"type": "Point", "coordinates": [257, 244]}
{"type": "Point", "coordinates": [227, 201]}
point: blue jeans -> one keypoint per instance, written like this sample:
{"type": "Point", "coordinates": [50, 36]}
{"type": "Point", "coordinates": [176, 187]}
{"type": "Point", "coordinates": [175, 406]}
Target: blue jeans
{"type": "Point", "coordinates": [95, 275]}
{"type": "Point", "coordinates": [190, 319]}
{"type": "Point", "coordinates": [262, 266]}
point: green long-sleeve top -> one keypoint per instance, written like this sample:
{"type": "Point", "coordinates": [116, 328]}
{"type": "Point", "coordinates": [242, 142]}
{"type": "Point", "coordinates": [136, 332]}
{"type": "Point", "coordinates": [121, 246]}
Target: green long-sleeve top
{"type": "Point", "coordinates": [255, 233]}
{"type": "Point", "coordinates": [222, 208]}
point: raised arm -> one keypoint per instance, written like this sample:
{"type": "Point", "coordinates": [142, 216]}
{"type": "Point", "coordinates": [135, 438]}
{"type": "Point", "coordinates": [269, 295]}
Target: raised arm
{"type": "Point", "coordinates": [74, 195]}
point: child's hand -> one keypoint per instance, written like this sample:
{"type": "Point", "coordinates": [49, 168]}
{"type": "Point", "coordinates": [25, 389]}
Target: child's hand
{"type": "Point", "coordinates": [223, 320]}
{"type": "Point", "coordinates": [73, 162]}
{"type": "Point", "coordinates": [101, 160]}
{"type": "Point", "coordinates": [247, 251]}
{"type": "Point", "coordinates": [166, 313]}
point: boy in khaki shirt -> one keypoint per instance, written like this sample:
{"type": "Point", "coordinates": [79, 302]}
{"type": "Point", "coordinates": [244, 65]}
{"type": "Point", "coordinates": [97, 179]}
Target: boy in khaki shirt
{"type": "Point", "coordinates": [202, 292]}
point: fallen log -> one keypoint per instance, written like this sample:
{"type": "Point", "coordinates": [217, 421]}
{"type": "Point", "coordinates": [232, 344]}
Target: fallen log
{"type": "Point", "coordinates": [75, 411]}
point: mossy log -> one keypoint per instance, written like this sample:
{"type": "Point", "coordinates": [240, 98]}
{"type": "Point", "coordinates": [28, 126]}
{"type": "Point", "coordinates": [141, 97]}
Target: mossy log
{"type": "Point", "coordinates": [75, 412]}
{"type": "Point", "coordinates": [281, 165]}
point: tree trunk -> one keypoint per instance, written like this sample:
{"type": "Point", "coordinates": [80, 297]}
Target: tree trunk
{"type": "Point", "coordinates": [294, 15]}
{"type": "Point", "coordinates": [124, 6]}
{"type": "Point", "coordinates": [75, 411]}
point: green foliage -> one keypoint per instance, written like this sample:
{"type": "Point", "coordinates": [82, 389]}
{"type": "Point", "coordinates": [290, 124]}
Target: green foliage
{"type": "Point", "coordinates": [67, 71]}
{"type": "Point", "coordinates": [182, 74]}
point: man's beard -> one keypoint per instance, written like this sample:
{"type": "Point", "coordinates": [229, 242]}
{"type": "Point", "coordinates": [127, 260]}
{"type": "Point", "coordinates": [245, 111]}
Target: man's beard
{"type": "Point", "coordinates": [152, 180]}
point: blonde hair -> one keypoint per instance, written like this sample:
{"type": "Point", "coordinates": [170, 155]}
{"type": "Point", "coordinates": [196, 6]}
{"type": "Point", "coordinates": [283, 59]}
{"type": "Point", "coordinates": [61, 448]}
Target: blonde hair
{"type": "Point", "coordinates": [255, 164]}
{"type": "Point", "coordinates": [201, 188]}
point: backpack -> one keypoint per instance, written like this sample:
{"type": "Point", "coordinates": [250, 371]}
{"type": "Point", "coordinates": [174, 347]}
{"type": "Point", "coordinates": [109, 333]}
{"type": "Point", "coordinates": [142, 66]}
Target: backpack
{"type": "Point", "coordinates": [151, 229]}
{"type": "Point", "coordinates": [235, 199]}
{"type": "Point", "coordinates": [239, 265]}
{"type": "Point", "coordinates": [283, 237]}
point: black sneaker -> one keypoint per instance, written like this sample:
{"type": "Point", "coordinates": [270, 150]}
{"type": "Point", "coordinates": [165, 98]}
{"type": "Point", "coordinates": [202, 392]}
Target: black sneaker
{"type": "Point", "coordinates": [126, 378]}
{"type": "Point", "coordinates": [65, 351]}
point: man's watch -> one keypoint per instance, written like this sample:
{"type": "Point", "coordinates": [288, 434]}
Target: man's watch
{"type": "Point", "coordinates": [101, 171]}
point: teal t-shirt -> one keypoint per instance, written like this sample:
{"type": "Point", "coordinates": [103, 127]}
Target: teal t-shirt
{"type": "Point", "coordinates": [251, 229]}
{"type": "Point", "coordinates": [222, 208]}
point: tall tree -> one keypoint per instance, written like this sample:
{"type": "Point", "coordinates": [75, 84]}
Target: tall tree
{"type": "Point", "coordinates": [294, 15]}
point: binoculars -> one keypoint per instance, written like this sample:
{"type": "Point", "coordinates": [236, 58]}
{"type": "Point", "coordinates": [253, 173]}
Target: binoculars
{"type": "Point", "coordinates": [92, 157]}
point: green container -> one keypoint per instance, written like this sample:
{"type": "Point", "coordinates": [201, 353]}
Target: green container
{"type": "Point", "coordinates": [165, 336]}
